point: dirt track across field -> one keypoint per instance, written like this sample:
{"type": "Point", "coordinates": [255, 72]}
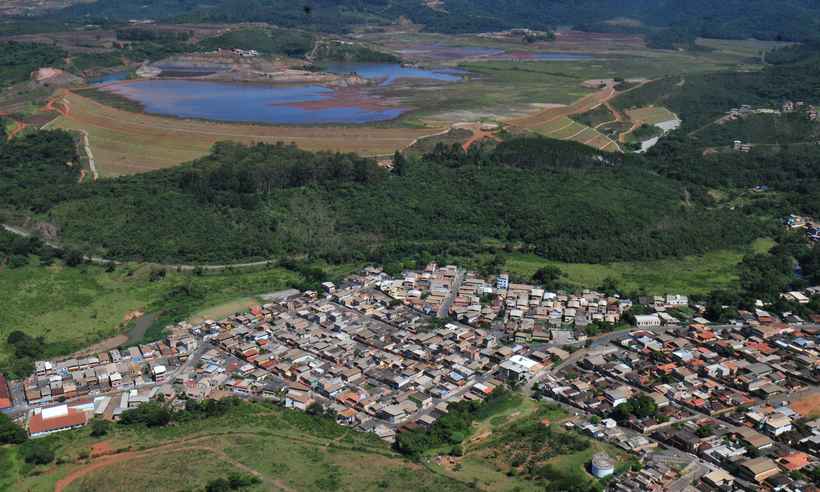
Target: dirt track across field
{"type": "Point", "coordinates": [181, 446]}
{"type": "Point", "coordinates": [586, 103]}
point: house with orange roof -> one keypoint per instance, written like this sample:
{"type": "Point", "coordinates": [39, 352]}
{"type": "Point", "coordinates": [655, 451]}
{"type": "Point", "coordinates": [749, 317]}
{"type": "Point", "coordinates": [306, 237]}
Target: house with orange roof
{"type": "Point", "coordinates": [704, 336]}
{"type": "Point", "coordinates": [795, 461]}
{"type": "Point", "coordinates": [56, 419]}
{"type": "Point", "coordinates": [5, 394]}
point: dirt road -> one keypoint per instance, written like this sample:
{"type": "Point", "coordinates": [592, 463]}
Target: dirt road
{"type": "Point", "coordinates": [582, 105]}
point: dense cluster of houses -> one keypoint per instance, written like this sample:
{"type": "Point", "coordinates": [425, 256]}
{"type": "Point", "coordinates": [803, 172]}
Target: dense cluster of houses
{"type": "Point", "coordinates": [723, 393]}
{"type": "Point", "coordinates": [376, 363]}
{"type": "Point", "coordinates": [426, 291]}
{"type": "Point", "coordinates": [65, 394]}
{"type": "Point", "coordinates": [380, 354]}
{"type": "Point", "coordinates": [521, 312]}
{"type": "Point", "coordinates": [100, 373]}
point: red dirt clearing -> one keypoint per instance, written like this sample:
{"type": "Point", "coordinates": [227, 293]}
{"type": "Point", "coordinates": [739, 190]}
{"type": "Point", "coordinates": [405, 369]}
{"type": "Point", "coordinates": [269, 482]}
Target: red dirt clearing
{"type": "Point", "coordinates": [101, 449]}
{"type": "Point", "coordinates": [808, 406]}
{"type": "Point", "coordinates": [19, 126]}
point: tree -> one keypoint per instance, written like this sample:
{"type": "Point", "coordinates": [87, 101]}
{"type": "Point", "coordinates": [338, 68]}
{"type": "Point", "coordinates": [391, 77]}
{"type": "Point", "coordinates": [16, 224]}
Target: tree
{"type": "Point", "coordinates": [10, 432]}
{"type": "Point", "coordinates": [218, 485]}
{"type": "Point", "coordinates": [400, 164]}
{"type": "Point", "coordinates": [73, 258]}
{"type": "Point", "coordinates": [549, 277]}
{"type": "Point", "coordinates": [705, 431]}
{"type": "Point", "coordinates": [312, 227]}
{"type": "Point", "coordinates": [151, 414]}
{"type": "Point", "coordinates": [641, 406]}
{"type": "Point", "coordinates": [238, 480]}
{"type": "Point", "coordinates": [609, 286]}
{"type": "Point", "coordinates": [37, 452]}
{"type": "Point", "coordinates": [99, 427]}
{"type": "Point", "coordinates": [315, 409]}
{"type": "Point", "coordinates": [18, 261]}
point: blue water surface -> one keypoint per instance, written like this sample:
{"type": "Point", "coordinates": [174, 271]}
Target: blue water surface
{"type": "Point", "coordinates": [390, 72]}
{"type": "Point", "coordinates": [237, 102]}
{"type": "Point", "coordinates": [111, 77]}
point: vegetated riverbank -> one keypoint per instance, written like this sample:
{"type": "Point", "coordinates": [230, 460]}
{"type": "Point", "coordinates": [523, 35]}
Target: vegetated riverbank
{"type": "Point", "coordinates": [74, 308]}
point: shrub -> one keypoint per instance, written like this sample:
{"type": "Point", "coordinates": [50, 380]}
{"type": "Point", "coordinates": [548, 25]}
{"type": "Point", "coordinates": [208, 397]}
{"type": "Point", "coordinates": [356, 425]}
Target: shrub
{"type": "Point", "coordinates": [37, 452]}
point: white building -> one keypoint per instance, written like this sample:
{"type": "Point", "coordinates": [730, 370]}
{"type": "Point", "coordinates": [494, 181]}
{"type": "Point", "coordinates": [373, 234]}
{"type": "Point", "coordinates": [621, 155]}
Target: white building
{"type": "Point", "coordinates": [645, 321]}
{"type": "Point", "coordinates": [56, 419]}
{"type": "Point", "coordinates": [675, 300]}
{"type": "Point", "coordinates": [519, 368]}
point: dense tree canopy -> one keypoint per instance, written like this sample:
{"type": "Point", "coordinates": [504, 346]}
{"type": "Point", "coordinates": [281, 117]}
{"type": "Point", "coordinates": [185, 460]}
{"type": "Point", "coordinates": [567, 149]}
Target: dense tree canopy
{"type": "Point", "coordinates": [561, 200]}
{"type": "Point", "coordinates": [763, 19]}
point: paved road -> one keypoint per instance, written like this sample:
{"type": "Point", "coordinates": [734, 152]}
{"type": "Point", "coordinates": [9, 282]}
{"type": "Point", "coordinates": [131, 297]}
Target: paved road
{"type": "Point", "coordinates": [444, 310]}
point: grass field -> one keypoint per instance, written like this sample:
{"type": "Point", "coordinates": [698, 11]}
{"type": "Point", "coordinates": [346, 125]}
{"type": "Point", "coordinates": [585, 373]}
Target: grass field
{"type": "Point", "coordinates": [125, 143]}
{"type": "Point", "coordinates": [225, 309]}
{"type": "Point", "coordinates": [286, 450]}
{"type": "Point", "coordinates": [689, 275]}
{"type": "Point", "coordinates": [76, 307]}
{"type": "Point", "coordinates": [565, 128]}
{"type": "Point", "coordinates": [651, 115]}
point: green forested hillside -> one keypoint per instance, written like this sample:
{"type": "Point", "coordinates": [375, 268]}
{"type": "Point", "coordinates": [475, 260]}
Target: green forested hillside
{"type": "Point", "coordinates": [266, 41]}
{"type": "Point", "coordinates": [18, 60]}
{"type": "Point", "coordinates": [701, 99]}
{"type": "Point", "coordinates": [561, 200]}
{"type": "Point", "coordinates": [764, 19]}
{"type": "Point", "coordinates": [790, 170]}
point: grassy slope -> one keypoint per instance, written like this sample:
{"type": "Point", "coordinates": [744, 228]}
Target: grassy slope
{"type": "Point", "coordinates": [79, 306]}
{"type": "Point", "coordinates": [319, 456]}
{"type": "Point", "coordinates": [691, 275]}
{"type": "Point", "coordinates": [484, 461]}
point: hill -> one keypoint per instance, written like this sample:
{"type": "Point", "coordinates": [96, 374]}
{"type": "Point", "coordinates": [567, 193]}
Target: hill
{"type": "Point", "coordinates": [562, 200]}
{"type": "Point", "coordinates": [700, 99]}
{"type": "Point", "coordinates": [783, 20]}
{"type": "Point", "coordinates": [269, 447]}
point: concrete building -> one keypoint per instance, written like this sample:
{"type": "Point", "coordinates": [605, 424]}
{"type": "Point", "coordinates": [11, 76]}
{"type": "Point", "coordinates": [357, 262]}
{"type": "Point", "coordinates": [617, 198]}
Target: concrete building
{"type": "Point", "coordinates": [502, 281]}
{"type": "Point", "coordinates": [758, 469]}
{"type": "Point", "coordinates": [645, 321]}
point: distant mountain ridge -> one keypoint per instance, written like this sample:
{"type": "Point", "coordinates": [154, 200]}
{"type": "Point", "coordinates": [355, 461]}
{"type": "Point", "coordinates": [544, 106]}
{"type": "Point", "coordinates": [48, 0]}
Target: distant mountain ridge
{"type": "Point", "coordinates": [764, 19]}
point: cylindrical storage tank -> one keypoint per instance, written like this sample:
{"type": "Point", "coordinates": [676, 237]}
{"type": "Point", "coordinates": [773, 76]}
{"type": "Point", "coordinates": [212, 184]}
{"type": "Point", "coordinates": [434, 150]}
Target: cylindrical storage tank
{"type": "Point", "coordinates": [602, 465]}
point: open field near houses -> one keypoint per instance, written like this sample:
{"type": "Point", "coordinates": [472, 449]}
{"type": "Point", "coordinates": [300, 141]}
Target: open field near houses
{"type": "Point", "coordinates": [497, 441]}
{"type": "Point", "coordinates": [76, 307]}
{"type": "Point", "coordinates": [285, 449]}
{"type": "Point", "coordinates": [126, 143]}
{"type": "Point", "coordinates": [692, 274]}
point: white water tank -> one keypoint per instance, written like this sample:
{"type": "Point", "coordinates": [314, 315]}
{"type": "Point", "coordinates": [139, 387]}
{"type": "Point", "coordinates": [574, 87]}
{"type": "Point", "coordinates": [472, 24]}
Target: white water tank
{"type": "Point", "coordinates": [602, 465]}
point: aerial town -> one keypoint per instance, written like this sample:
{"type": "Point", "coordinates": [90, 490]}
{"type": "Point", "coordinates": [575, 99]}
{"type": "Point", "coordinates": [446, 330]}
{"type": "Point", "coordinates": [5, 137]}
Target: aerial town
{"type": "Point", "coordinates": [724, 407]}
